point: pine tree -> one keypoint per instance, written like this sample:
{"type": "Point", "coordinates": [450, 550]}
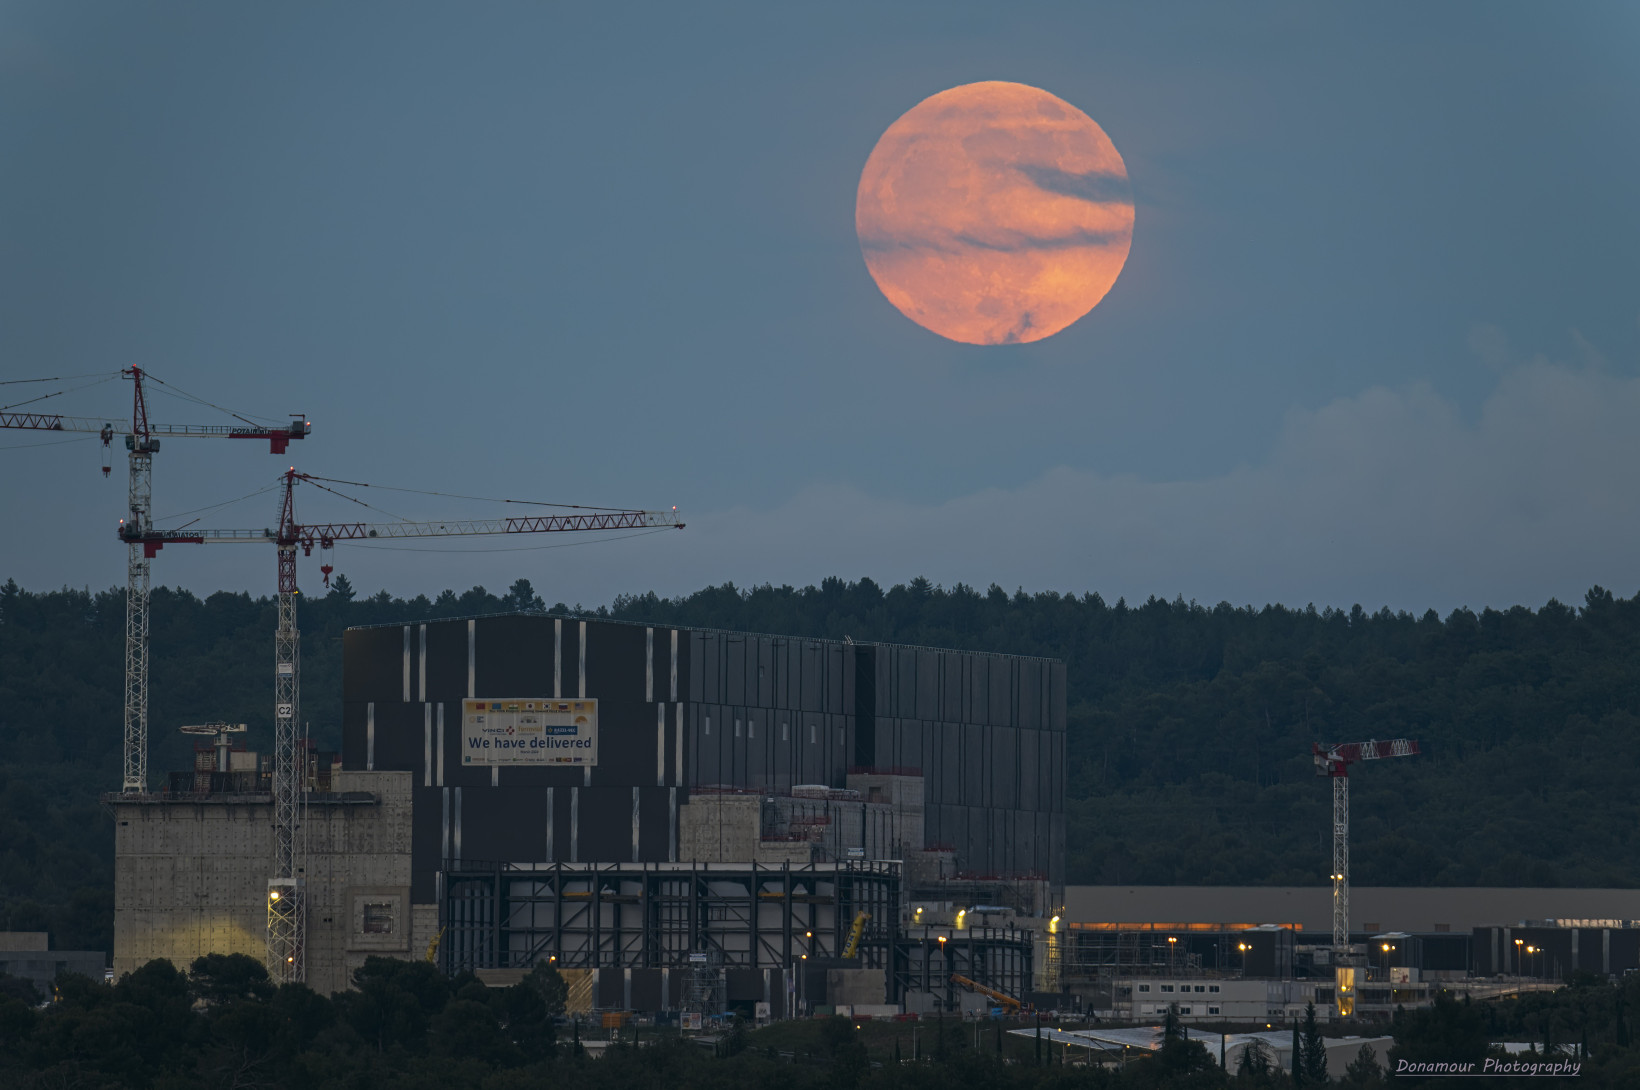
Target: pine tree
{"type": "Point", "coordinates": [1364, 1069]}
{"type": "Point", "coordinates": [1300, 1068]}
{"type": "Point", "coordinates": [1315, 1049]}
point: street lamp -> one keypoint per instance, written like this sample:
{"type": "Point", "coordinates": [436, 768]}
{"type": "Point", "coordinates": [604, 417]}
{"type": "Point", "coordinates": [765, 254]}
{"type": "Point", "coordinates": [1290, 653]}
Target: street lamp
{"type": "Point", "coordinates": [1388, 949]}
{"type": "Point", "coordinates": [1170, 948]}
{"type": "Point", "coordinates": [1530, 950]}
{"type": "Point", "coordinates": [1518, 970]}
{"type": "Point", "coordinates": [1243, 947]}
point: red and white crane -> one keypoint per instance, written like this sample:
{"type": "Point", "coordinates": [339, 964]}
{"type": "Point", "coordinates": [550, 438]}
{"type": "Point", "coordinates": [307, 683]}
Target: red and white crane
{"type": "Point", "coordinates": [1334, 761]}
{"type": "Point", "coordinates": [287, 908]}
{"type": "Point", "coordinates": [142, 443]}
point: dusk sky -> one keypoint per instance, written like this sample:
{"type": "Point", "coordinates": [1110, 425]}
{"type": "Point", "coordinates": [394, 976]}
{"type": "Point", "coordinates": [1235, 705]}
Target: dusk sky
{"type": "Point", "coordinates": [1375, 341]}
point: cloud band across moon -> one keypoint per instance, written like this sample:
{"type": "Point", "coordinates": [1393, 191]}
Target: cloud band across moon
{"type": "Point", "coordinates": [994, 213]}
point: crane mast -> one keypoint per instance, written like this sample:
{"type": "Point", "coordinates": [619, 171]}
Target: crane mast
{"type": "Point", "coordinates": [287, 908]}
{"type": "Point", "coordinates": [141, 444]}
{"type": "Point", "coordinates": [1333, 761]}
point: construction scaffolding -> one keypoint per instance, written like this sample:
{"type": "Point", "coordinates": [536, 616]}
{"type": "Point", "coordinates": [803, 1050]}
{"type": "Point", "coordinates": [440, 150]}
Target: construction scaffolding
{"type": "Point", "coordinates": [997, 957]}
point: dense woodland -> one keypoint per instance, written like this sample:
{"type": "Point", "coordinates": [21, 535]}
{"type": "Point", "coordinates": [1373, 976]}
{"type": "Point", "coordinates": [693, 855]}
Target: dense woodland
{"type": "Point", "coordinates": [1190, 725]}
{"type": "Point", "coordinates": [222, 1024]}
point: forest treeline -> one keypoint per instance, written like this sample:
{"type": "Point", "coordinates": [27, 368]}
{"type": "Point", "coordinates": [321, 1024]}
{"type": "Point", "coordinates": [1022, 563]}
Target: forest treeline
{"type": "Point", "coordinates": [222, 1023]}
{"type": "Point", "coordinates": [1190, 725]}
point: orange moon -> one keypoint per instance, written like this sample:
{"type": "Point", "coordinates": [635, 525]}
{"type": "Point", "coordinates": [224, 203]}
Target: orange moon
{"type": "Point", "coordinates": [994, 213]}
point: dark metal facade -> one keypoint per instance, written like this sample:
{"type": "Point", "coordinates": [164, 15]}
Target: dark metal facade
{"type": "Point", "coordinates": [687, 708]}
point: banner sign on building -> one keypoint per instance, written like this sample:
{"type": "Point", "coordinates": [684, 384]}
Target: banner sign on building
{"type": "Point", "coordinates": [529, 732]}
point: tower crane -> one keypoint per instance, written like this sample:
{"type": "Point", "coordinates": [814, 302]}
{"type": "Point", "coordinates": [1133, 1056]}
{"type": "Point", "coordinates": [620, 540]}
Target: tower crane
{"type": "Point", "coordinates": [142, 443]}
{"type": "Point", "coordinates": [287, 909]}
{"type": "Point", "coordinates": [1334, 762]}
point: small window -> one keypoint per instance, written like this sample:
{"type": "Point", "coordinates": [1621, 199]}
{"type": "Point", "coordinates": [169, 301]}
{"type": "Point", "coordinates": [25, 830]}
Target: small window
{"type": "Point", "coordinates": [708, 724]}
{"type": "Point", "coordinates": [1443, 928]}
{"type": "Point", "coordinates": [378, 918]}
{"type": "Point", "coordinates": [811, 734]}
{"type": "Point", "coordinates": [1184, 1010]}
{"type": "Point", "coordinates": [1144, 987]}
{"type": "Point", "coordinates": [1212, 1010]}
{"type": "Point", "coordinates": [1199, 988]}
{"type": "Point", "coordinates": [785, 734]}
{"type": "Point", "coordinates": [749, 724]}
{"type": "Point", "coordinates": [737, 728]}
{"type": "Point", "coordinates": [1212, 987]}
{"type": "Point", "coordinates": [1167, 987]}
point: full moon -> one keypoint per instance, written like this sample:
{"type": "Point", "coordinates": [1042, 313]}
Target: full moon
{"type": "Point", "coordinates": [994, 213]}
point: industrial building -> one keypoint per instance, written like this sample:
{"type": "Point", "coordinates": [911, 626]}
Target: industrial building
{"type": "Point", "coordinates": [674, 817]}
{"type": "Point", "coordinates": [1130, 952]}
{"type": "Point", "coordinates": [28, 956]}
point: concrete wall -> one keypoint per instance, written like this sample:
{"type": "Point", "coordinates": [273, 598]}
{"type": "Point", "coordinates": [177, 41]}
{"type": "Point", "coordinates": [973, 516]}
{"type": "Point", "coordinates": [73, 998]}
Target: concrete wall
{"type": "Point", "coordinates": [1372, 908]}
{"type": "Point", "coordinates": [190, 878]}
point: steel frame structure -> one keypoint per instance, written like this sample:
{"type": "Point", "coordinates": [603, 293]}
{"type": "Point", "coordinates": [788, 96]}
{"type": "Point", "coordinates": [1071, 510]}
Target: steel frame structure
{"type": "Point", "coordinates": [997, 957]}
{"type": "Point", "coordinates": [655, 915]}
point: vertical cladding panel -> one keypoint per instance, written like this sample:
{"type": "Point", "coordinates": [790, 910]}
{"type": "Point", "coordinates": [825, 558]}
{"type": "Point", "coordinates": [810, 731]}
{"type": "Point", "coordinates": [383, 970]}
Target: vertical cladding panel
{"type": "Point", "coordinates": [1003, 771]}
{"type": "Point", "coordinates": [1058, 772]}
{"type": "Point", "coordinates": [426, 842]}
{"type": "Point", "coordinates": [952, 752]}
{"type": "Point", "coordinates": [928, 686]}
{"type": "Point", "coordinates": [1030, 694]}
{"type": "Point", "coordinates": [848, 662]}
{"type": "Point", "coordinates": [1045, 770]}
{"type": "Point", "coordinates": [1030, 771]}
{"type": "Point", "coordinates": [1056, 851]}
{"type": "Point", "coordinates": [354, 718]}
{"type": "Point", "coordinates": [759, 768]}
{"type": "Point", "coordinates": [447, 661]}
{"type": "Point", "coordinates": [606, 824]}
{"type": "Point", "coordinates": [654, 825]}
{"type": "Point", "coordinates": [1002, 690]}
{"type": "Point", "coordinates": [973, 766]}
{"type": "Point", "coordinates": [734, 669]}
{"type": "Point", "coordinates": [373, 664]}
{"type": "Point", "coordinates": [836, 676]}
{"type": "Point", "coordinates": [951, 690]}
{"type": "Point", "coordinates": [883, 679]}
{"type": "Point", "coordinates": [765, 672]}
{"type": "Point", "coordinates": [711, 648]}
{"type": "Point", "coordinates": [616, 655]}
{"type": "Point", "coordinates": [513, 656]}
{"type": "Point", "coordinates": [696, 673]}
{"type": "Point", "coordinates": [626, 739]}
{"type": "Point", "coordinates": [809, 677]}
{"type": "Point", "coordinates": [646, 990]}
{"type": "Point", "coordinates": [783, 674]}
{"type": "Point", "coordinates": [905, 682]}
{"type": "Point", "coordinates": [504, 824]}
{"type": "Point", "coordinates": [399, 738]}
{"type": "Point", "coordinates": [706, 723]}
{"type": "Point", "coordinates": [1056, 703]}
{"type": "Point", "coordinates": [561, 802]}
{"type": "Point", "coordinates": [979, 699]}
